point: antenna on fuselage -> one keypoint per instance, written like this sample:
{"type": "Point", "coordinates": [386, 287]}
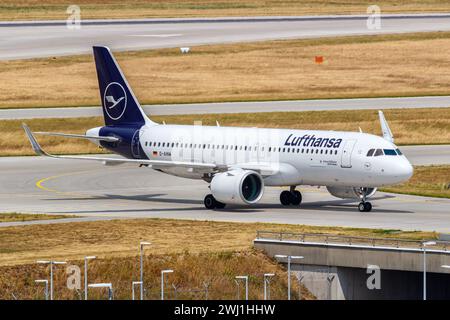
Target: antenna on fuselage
{"type": "Point", "coordinates": [217, 123]}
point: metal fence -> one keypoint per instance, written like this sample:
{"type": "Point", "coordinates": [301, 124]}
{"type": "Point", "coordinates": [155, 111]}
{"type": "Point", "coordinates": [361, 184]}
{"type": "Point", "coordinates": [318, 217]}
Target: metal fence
{"type": "Point", "coordinates": [351, 240]}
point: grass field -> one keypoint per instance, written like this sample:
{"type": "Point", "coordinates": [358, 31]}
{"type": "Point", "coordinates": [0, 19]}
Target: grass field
{"type": "Point", "coordinates": [433, 181]}
{"type": "Point", "coordinates": [15, 217]}
{"type": "Point", "coordinates": [196, 250]}
{"type": "Point", "coordinates": [191, 273]}
{"type": "Point", "coordinates": [410, 126]}
{"type": "Point", "coordinates": [360, 66]}
{"type": "Point", "coordinates": [120, 238]}
{"type": "Point", "coordinates": [113, 9]}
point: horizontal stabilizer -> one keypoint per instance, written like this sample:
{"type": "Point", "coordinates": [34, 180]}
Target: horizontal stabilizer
{"type": "Point", "coordinates": [80, 136]}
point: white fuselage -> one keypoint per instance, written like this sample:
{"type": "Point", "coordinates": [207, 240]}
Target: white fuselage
{"type": "Point", "coordinates": [300, 157]}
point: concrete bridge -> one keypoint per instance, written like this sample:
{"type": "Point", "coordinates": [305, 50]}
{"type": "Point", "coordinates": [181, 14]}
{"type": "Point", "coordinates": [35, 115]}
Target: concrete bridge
{"type": "Point", "coordinates": [339, 267]}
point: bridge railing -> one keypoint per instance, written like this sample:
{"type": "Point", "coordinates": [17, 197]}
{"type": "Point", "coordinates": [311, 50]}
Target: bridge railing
{"type": "Point", "coordinates": [351, 240]}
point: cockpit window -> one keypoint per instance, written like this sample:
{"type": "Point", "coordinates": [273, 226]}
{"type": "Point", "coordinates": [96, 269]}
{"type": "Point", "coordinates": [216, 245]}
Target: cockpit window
{"type": "Point", "coordinates": [399, 152]}
{"type": "Point", "coordinates": [370, 152]}
{"type": "Point", "coordinates": [390, 152]}
{"type": "Point", "coordinates": [378, 152]}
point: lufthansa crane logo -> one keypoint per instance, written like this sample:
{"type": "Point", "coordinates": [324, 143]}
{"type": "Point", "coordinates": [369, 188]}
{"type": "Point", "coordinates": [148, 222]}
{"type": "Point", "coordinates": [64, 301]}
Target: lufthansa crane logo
{"type": "Point", "coordinates": [115, 100]}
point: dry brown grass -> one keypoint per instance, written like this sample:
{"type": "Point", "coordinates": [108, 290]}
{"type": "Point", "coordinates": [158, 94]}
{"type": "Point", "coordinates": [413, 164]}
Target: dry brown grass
{"type": "Point", "coordinates": [410, 126]}
{"type": "Point", "coordinates": [432, 181]}
{"type": "Point", "coordinates": [14, 217]}
{"type": "Point", "coordinates": [190, 273]}
{"type": "Point", "coordinates": [120, 238]}
{"type": "Point", "coordinates": [95, 9]}
{"type": "Point", "coordinates": [374, 66]}
{"type": "Point", "coordinates": [198, 251]}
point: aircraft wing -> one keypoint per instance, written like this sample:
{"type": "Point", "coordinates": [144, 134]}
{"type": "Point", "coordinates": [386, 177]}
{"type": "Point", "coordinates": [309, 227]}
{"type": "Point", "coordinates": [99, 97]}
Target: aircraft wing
{"type": "Point", "coordinates": [82, 136]}
{"type": "Point", "coordinates": [265, 169]}
{"type": "Point", "coordinates": [159, 163]}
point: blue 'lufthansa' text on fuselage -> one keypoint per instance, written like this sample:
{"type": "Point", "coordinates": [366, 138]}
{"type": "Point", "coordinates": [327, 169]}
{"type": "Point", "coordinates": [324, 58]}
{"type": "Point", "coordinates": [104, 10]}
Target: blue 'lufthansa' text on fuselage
{"type": "Point", "coordinates": [312, 141]}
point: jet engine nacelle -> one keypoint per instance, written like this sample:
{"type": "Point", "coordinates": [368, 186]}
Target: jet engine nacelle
{"type": "Point", "coordinates": [351, 192]}
{"type": "Point", "coordinates": [237, 186]}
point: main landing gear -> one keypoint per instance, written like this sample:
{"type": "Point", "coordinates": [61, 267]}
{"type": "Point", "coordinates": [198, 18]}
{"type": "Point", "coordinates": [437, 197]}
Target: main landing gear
{"type": "Point", "coordinates": [211, 203]}
{"type": "Point", "coordinates": [291, 197]}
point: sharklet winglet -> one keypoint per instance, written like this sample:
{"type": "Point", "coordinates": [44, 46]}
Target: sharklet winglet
{"type": "Point", "coordinates": [387, 133]}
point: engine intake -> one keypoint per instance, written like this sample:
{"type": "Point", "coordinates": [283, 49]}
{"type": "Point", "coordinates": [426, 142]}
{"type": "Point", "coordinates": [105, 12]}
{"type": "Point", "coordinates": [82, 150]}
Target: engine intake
{"type": "Point", "coordinates": [237, 186]}
{"type": "Point", "coordinates": [351, 192]}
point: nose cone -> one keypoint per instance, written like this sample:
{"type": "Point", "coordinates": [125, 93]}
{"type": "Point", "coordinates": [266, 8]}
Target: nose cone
{"type": "Point", "coordinates": [403, 170]}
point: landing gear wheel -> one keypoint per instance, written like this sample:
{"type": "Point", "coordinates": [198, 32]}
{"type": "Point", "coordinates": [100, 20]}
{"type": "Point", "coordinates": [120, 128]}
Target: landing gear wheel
{"type": "Point", "coordinates": [361, 207]}
{"type": "Point", "coordinates": [211, 203]}
{"type": "Point", "coordinates": [290, 197]}
{"type": "Point", "coordinates": [365, 207]}
{"type": "Point", "coordinates": [296, 198]}
{"type": "Point", "coordinates": [285, 198]}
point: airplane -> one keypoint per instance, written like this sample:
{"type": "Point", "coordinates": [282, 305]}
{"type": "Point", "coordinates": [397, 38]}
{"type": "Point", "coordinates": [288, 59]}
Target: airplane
{"type": "Point", "coordinates": [237, 162]}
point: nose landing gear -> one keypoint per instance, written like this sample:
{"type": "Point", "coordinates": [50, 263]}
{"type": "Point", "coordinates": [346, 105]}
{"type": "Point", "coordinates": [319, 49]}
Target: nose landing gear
{"type": "Point", "coordinates": [365, 207]}
{"type": "Point", "coordinates": [291, 197]}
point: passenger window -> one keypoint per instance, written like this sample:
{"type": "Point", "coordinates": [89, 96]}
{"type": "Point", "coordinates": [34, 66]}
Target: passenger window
{"type": "Point", "coordinates": [370, 152]}
{"type": "Point", "coordinates": [378, 152]}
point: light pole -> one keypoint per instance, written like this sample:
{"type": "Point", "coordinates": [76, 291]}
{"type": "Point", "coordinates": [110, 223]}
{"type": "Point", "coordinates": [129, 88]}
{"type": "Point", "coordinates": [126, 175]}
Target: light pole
{"type": "Point", "coordinates": [51, 263]}
{"type": "Point", "coordinates": [86, 275]}
{"type": "Point", "coordinates": [267, 277]}
{"type": "Point", "coordinates": [246, 284]}
{"type": "Point", "coordinates": [46, 286]}
{"type": "Point", "coordinates": [425, 244]}
{"type": "Point", "coordinates": [141, 250]}
{"type": "Point", "coordinates": [104, 285]}
{"type": "Point", "coordinates": [162, 281]}
{"type": "Point", "coordinates": [289, 258]}
{"type": "Point", "coordinates": [133, 284]}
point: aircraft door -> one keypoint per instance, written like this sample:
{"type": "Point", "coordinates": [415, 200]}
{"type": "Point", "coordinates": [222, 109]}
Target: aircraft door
{"type": "Point", "coordinates": [135, 144]}
{"type": "Point", "coordinates": [346, 157]}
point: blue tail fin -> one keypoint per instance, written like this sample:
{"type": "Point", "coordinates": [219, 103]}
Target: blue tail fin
{"type": "Point", "coordinates": [120, 106]}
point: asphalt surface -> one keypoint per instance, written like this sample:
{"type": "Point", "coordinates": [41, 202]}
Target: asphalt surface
{"type": "Point", "coordinates": [46, 39]}
{"type": "Point", "coordinates": [96, 192]}
{"type": "Point", "coordinates": [240, 107]}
